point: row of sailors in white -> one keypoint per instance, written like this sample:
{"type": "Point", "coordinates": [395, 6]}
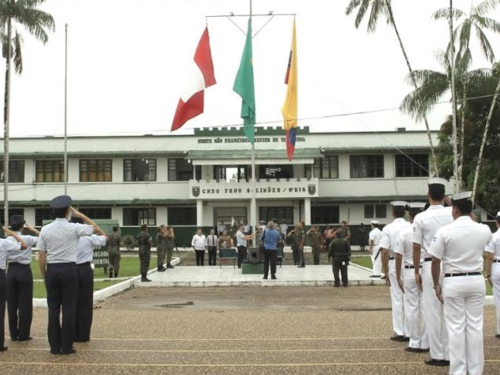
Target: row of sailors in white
{"type": "Point", "coordinates": [446, 235]}
{"type": "Point", "coordinates": [493, 269]}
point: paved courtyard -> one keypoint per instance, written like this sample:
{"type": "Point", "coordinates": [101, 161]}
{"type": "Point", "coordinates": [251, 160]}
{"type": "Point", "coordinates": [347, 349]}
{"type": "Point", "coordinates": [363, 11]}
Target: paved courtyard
{"type": "Point", "coordinates": [237, 330]}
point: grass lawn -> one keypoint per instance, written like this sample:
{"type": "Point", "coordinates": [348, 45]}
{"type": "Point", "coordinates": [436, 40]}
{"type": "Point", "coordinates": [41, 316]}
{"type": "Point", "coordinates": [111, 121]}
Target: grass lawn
{"type": "Point", "coordinates": [40, 292]}
{"type": "Point", "coordinates": [366, 262]}
{"type": "Point", "coordinates": [129, 267]}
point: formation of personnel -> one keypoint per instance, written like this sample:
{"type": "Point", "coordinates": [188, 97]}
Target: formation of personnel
{"type": "Point", "coordinates": [433, 264]}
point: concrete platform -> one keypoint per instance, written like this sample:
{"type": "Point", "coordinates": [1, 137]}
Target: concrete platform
{"type": "Point", "coordinates": [206, 276]}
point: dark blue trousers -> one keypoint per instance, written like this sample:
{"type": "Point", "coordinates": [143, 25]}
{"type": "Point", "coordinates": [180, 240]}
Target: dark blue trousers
{"type": "Point", "coordinates": [20, 300]}
{"type": "Point", "coordinates": [3, 297]}
{"type": "Point", "coordinates": [61, 281]}
{"type": "Point", "coordinates": [84, 305]}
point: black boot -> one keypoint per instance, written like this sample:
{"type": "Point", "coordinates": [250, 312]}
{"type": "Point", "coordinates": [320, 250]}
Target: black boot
{"type": "Point", "coordinates": [161, 269]}
{"type": "Point", "coordinates": [169, 266]}
{"type": "Point", "coordinates": [144, 278]}
{"type": "Point", "coordinates": [116, 275]}
{"type": "Point", "coordinates": [110, 273]}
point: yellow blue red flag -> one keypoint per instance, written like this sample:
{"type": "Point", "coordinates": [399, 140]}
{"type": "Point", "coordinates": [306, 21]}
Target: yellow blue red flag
{"type": "Point", "coordinates": [289, 109]}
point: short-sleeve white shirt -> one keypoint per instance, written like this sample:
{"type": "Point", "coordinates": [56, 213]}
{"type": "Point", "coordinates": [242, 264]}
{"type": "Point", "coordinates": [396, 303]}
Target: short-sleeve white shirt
{"type": "Point", "coordinates": [404, 246]}
{"type": "Point", "coordinates": [494, 245]}
{"type": "Point", "coordinates": [60, 240]}
{"type": "Point", "coordinates": [460, 245]}
{"type": "Point", "coordinates": [86, 246]}
{"type": "Point", "coordinates": [426, 224]}
{"type": "Point", "coordinates": [23, 256]}
{"type": "Point", "coordinates": [240, 239]}
{"type": "Point", "coordinates": [5, 246]}
{"type": "Point", "coordinates": [390, 234]}
{"type": "Point", "coordinates": [375, 236]}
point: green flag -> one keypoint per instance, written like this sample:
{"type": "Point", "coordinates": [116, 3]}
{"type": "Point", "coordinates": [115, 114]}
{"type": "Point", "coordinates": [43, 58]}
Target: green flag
{"type": "Point", "coordinates": [244, 87]}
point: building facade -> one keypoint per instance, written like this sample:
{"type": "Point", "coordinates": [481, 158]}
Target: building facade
{"type": "Point", "coordinates": [205, 178]}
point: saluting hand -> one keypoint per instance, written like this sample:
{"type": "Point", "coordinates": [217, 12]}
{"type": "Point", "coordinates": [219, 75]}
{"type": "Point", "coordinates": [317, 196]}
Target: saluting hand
{"type": "Point", "coordinates": [74, 212]}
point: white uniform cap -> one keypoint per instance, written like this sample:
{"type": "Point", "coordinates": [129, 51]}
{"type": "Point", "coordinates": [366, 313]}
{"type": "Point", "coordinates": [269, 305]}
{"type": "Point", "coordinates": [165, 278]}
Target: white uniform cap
{"type": "Point", "coordinates": [464, 196]}
{"type": "Point", "coordinates": [498, 214]}
{"type": "Point", "coordinates": [399, 204]}
{"type": "Point", "coordinates": [376, 222]}
{"type": "Point", "coordinates": [437, 181]}
{"type": "Point", "coordinates": [416, 205]}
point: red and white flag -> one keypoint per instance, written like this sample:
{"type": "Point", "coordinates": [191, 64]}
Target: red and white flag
{"type": "Point", "coordinates": [192, 101]}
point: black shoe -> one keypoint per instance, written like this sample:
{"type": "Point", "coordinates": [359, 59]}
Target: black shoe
{"type": "Point", "coordinates": [264, 278]}
{"type": "Point", "coordinates": [398, 338]}
{"type": "Point", "coordinates": [145, 280]}
{"type": "Point", "coordinates": [302, 266]}
{"type": "Point", "coordinates": [170, 267]}
{"type": "Point", "coordinates": [68, 352]}
{"type": "Point", "coordinates": [336, 285]}
{"type": "Point", "coordinates": [274, 277]}
{"type": "Point", "coordinates": [25, 339]}
{"type": "Point", "coordinates": [497, 335]}
{"type": "Point", "coordinates": [3, 349]}
{"type": "Point", "coordinates": [111, 275]}
{"type": "Point", "coordinates": [375, 276]}
{"type": "Point", "coordinates": [346, 285]}
{"type": "Point", "coordinates": [82, 340]}
{"type": "Point", "coordinates": [436, 362]}
{"type": "Point", "coordinates": [116, 275]}
{"type": "Point", "coordinates": [14, 339]}
{"type": "Point", "coordinates": [161, 269]}
{"type": "Point", "coordinates": [416, 350]}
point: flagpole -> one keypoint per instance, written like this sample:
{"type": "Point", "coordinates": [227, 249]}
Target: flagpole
{"type": "Point", "coordinates": [66, 111]}
{"type": "Point", "coordinates": [253, 202]}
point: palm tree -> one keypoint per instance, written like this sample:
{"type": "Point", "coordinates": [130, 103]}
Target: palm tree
{"type": "Point", "coordinates": [25, 14]}
{"type": "Point", "coordinates": [383, 8]}
{"type": "Point", "coordinates": [477, 21]}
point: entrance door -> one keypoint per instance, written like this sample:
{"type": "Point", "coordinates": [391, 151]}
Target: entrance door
{"type": "Point", "coordinates": [230, 216]}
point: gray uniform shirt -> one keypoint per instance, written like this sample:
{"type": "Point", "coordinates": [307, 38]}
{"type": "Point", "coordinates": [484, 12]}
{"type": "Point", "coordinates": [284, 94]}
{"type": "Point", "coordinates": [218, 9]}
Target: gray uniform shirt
{"type": "Point", "coordinates": [60, 240]}
{"type": "Point", "coordinates": [6, 245]}
{"type": "Point", "coordinates": [24, 256]}
{"type": "Point", "coordinates": [86, 246]}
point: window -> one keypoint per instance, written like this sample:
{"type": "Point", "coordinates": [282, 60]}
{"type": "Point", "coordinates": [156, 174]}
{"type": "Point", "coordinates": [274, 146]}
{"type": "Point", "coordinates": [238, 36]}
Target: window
{"type": "Point", "coordinates": [95, 171]}
{"type": "Point", "coordinates": [139, 216]}
{"type": "Point", "coordinates": [325, 214]}
{"type": "Point", "coordinates": [378, 211]}
{"type": "Point", "coordinates": [327, 167]}
{"type": "Point", "coordinates": [413, 165]}
{"type": "Point", "coordinates": [367, 166]}
{"type": "Point", "coordinates": [16, 171]}
{"type": "Point", "coordinates": [49, 171]}
{"type": "Point", "coordinates": [42, 214]}
{"type": "Point", "coordinates": [181, 170]}
{"type": "Point", "coordinates": [12, 212]}
{"type": "Point", "coordinates": [275, 171]}
{"type": "Point", "coordinates": [269, 213]}
{"type": "Point", "coordinates": [226, 173]}
{"type": "Point", "coordinates": [139, 170]}
{"type": "Point", "coordinates": [96, 213]}
{"type": "Point", "coordinates": [182, 215]}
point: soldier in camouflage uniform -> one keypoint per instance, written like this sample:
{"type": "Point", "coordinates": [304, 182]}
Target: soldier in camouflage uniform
{"type": "Point", "coordinates": [316, 242]}
{"type": "Point", "coordinates": [114, 243]}
{"type": "Point", "coordinates": [297, 238]}
{"type": "Point", "coordinates": [170, 246]}
{"type": "Point", "coordinates": [144, 242]}
{"type": "Point", "coordinates": [161, 247]}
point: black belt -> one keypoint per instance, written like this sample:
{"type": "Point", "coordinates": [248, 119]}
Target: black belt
{"type": "Point", "coordinates": [411, 267]}
{"type": "Point", "coordinates": [462, 274]}
{"type": "Point", "coordinates": [16, 264]}
{"type": "Point", "coordinates": [61, 264]}
{"type": "Point", "coordinates": [427, 259]}
{"type": "Point", "coordinates": [84, 264]}
{"type": "Point", "coordinates": [391, 258]}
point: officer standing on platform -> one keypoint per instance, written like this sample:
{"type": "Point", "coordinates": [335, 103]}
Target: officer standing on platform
{"type": "Point", "coordinates": [425, 226]}
{"type": "Point", "coordinates": [459, 246]}
{"type": "Point", "coordinates": [212, 244]}
{"type": "Point", "coordinates": [374, 238]}
{"type": "Point", "coordinates": [316, 242]}
{"type": "Point", "coordinates": [114, 253]}
{"type": "Point", "coordinates": [390, 235]}
{"type": "Point", "coordinates": [5, 246]}
{"type": "Point", "coordinates": [412, 297]}
{"type": "Point", "coordinates": [57, 246]}
{"type": "Point", "coordinates": [85, 303]}
{"type": "Point", "coordinates": [20, 283]}
{"type": "Point", "coordinates": [298, 236]}
{"type": "Point", "coordinates": [493, 269]}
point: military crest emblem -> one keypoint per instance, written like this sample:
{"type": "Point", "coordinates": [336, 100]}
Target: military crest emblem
{"type": "Point", "coordinates": [311, 189]}
{"type": "Point", "coordinates": [196, 191]}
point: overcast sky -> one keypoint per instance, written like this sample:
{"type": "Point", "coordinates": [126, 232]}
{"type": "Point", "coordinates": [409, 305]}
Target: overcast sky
{"type": "Point", "coordinates": [128, 63]}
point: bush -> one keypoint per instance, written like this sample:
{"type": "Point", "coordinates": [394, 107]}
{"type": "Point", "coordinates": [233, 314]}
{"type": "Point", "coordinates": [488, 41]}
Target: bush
{"type": "Point", "coordinates": [129, 242]}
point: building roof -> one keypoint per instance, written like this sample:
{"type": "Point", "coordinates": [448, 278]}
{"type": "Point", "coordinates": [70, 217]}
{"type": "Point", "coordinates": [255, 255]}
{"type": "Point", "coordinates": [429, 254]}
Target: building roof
{"type": "Point", "coordinates": [301, 153]}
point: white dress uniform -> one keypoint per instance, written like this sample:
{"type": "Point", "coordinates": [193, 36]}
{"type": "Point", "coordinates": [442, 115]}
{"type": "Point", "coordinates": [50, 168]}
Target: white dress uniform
{"type": "Point", "coordinates": [425, 226]}
{"type": "Point", "coordinates": [376, 236]}
{"type": "Point", "coordinates": [412, 297]}
{"type": "Point", "coordinates": [494, 248]}
{"type": "Point", "coordinates": [460, 246]}
{"type": "Point", "coordinates": [389, 238]}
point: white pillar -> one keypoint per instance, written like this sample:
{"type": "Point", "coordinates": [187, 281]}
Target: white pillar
{"type": "Point", "coordinates": [307, 211]}
{"type": "Point", "coordinates": [199, 212]}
